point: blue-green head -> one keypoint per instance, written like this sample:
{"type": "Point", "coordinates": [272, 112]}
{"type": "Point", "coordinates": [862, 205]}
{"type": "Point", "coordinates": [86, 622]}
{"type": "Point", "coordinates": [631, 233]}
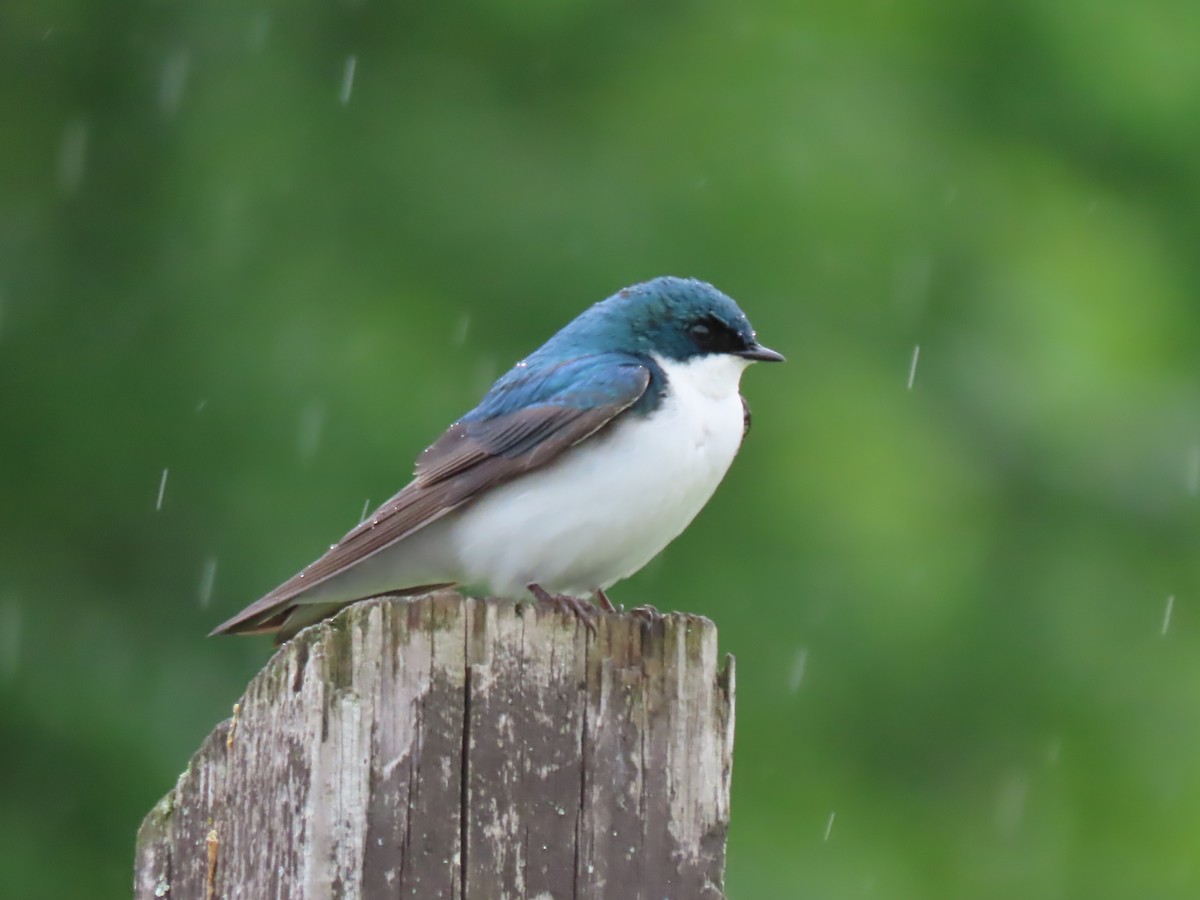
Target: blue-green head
{"type": "Point", "coordinates": [677, 319]}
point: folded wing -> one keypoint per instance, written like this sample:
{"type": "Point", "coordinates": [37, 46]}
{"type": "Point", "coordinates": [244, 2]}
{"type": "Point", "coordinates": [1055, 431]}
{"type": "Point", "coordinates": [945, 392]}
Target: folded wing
{"type": "Point", "coordinates": [525, 421]}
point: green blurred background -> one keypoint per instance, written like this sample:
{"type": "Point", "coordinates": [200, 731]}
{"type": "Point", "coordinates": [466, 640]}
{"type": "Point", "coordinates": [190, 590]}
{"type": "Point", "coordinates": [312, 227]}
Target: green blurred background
{"type": "Point", "coordinates": [271, 250]}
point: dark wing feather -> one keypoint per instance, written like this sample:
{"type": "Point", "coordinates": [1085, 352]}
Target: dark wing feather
{"type": "Point", "coordinates": [493, 444]}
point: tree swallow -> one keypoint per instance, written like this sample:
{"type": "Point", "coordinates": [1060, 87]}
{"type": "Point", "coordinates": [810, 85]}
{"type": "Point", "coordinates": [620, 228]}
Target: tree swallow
{"type": "Point", "coordinates": [579, 465]}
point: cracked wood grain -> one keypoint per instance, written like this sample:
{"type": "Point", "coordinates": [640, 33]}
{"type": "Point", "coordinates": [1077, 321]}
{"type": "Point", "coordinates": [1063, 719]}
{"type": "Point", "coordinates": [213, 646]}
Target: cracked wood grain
{"type": "Point", "coordinates": [468, 749]}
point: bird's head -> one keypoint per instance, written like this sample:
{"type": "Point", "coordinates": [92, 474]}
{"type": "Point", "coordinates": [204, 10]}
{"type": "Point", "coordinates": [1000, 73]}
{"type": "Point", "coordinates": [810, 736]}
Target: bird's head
{"type": "Point", "coordinates": [676, 319]}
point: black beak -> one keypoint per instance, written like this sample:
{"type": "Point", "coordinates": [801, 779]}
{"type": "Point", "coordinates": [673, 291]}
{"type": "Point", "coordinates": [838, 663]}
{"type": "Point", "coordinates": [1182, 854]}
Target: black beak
{"type": "Point", "coordinates": [760, 353]}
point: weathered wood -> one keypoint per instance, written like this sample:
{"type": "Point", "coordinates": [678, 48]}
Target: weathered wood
{"type": "Point", "coordinates": [437, 747]}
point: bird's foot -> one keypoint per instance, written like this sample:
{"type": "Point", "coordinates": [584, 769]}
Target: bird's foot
{"type": "Point", "coordinates": [605, 603]}
{"type": "Point", "coordinates": [567, 605]}
{"type": "Point", "coordinates": [648, 614]}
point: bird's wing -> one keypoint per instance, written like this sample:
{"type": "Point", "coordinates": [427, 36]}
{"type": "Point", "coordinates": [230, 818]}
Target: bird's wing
{"type": "Point", "coordinates": [525, 421]}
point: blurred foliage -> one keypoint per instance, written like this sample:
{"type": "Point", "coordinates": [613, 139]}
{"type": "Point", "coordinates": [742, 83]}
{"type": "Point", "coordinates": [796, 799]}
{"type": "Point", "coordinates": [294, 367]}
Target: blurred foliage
{"type": "Point", "coordinates": [267, 252]}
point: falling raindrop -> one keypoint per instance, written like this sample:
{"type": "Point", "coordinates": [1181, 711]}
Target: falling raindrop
{"type": "Point", "coordinates": [162, 489]}
{"type": "Point", "coordinates": [10, 638]}
{"type": "Point", "coordinates": [200, 406]}
{"type": "Point", "coordinates": [829, 825]}
{"type": "Point", "coordinates": [460, 329]}
{"type": "Point", "coordinates": [912, 368]}
{"type": "Point", "coordinates": [362, 517]}
{"type": "Point", "coordinates": [1054, 751]}
{"type": "Point", "coordinates": [208, 577]}
{"type": "Point", "coordinates": [260, 25]}
{"type": "Point", "coordinates": [174, 80]}
{"type": "Point", "coordinates": [72, 155]}
{"type": "Point", "coordinates": [308, 435]}
{"type": "Point", "coordinates": [1010, 802]}
{"type": "Point", "coordinates": [347, 79]}
{"type": "Point", "coordinates": [1166, 621]}
{"type": "Point", "coordinates": [799, 662]}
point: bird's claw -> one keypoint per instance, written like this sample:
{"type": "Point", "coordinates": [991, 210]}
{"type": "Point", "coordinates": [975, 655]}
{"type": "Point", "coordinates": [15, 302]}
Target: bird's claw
{"type": "Point", "coordinates": [605, 603]}
{"type": "Point", "coordinates": [648, 614]}
{"type": "Point", "coordinates": [567, 605]}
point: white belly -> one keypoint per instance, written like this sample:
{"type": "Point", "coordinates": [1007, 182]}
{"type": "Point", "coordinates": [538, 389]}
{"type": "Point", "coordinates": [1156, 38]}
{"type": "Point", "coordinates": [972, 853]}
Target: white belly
{"type": "Point", "coordinates": [606, 507]}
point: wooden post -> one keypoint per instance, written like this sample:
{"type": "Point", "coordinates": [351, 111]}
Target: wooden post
{"type": "Point", "coordinates": [441, 747]}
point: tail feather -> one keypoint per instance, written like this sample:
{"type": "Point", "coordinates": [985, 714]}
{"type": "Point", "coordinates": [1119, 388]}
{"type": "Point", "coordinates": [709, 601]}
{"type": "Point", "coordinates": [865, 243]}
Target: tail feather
{"type": "Point", "coordinates": [287, 619]}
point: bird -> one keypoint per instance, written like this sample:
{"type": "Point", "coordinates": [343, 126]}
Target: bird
{"type": "Point", "coordinates": [578, 466]}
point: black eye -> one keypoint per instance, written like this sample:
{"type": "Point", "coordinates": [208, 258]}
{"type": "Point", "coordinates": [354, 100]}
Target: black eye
{"type": "Point", "coordinates": [702, 334]}
{"type": "Point", "coordinates": [714, 336]}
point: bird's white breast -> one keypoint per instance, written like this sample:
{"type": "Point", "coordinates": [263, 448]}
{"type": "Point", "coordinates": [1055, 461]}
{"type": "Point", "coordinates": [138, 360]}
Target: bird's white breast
{"type": "Point", "coordinates": [607, 506]}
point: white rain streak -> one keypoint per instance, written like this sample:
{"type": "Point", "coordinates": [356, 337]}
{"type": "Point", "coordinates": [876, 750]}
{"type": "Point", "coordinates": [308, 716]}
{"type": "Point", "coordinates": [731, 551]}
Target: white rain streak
{"type": "Point", "coordinates": [10, 639]}
{"type": "Point", "coordinates": [174, 80]}
{"type": "Point", "coordinates": [1193, 470]}
{"type": "Point", "coordinates": [1054, 751]}
{"type": "Point", "coordinates": [1010, 802]}
{"type": "Point", "coordinates": [829, 825]}
{"type": "Point", "coordinates": [460, 329]}
{"type": "Point", "coordinates": [1166, 620]}
{"type": "Point", "coordinates": [162, 490]}
{"type": "Point", "coordinates": [260, 27]}
{"type": "Point", "coordinates": [200, 406]}
{"type": "Point", "coordinates": [912, 367]}
{"type": "Point", "coordinates": [208, 578]}
{"type": "Point", "coordinates": [72, 155]}
{"type": "Point", "coordinates": [799, 664]}
{"type": "Point", "coordinates": [308, 434]}
{"type": "Point", "coordinates": [347, 79]}
{"type": "Point", "coordinates": [362, 516]}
